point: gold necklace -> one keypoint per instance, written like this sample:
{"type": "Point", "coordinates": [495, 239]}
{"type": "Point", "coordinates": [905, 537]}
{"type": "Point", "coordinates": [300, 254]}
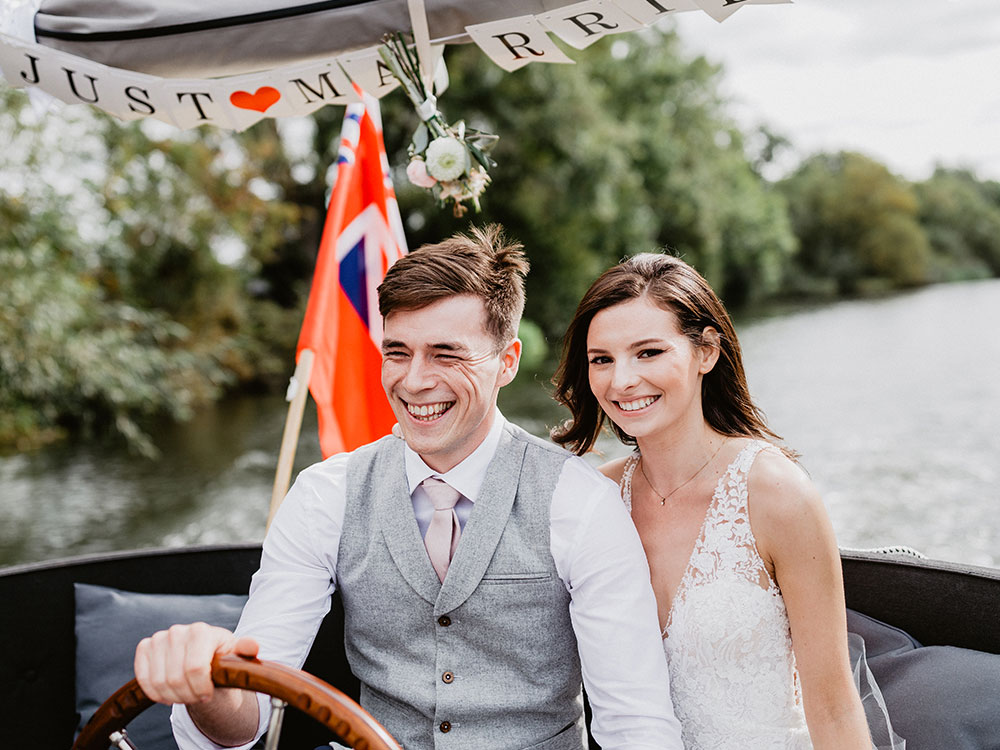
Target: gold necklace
{"type": "Point", "coordinates": [663, 498]}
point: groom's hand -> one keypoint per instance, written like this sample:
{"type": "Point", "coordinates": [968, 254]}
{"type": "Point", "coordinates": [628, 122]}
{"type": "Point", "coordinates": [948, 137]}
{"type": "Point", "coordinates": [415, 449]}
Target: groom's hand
{"type": "Point", "coordinates": [175, 665]}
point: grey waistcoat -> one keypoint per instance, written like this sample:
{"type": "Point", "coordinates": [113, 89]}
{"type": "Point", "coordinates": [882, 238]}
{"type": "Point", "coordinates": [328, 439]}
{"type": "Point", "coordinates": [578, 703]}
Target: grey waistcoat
{"type": "Point", "coordinates": [487, 659]}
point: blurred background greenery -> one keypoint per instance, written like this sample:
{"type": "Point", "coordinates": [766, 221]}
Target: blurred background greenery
{"type": "Point", "coordinates": [146, 271]}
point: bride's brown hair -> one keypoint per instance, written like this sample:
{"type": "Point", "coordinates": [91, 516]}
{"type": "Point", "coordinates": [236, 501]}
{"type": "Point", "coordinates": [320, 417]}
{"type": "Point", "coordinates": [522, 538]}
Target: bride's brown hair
{"type": "Point", "coordinates": [676, 287]}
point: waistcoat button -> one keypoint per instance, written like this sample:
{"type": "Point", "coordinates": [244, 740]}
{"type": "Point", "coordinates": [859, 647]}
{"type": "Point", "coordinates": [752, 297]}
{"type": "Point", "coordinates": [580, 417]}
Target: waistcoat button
{"type": "Point", "coordinates": [448, 677]}
{"type": "Point", "coordinates": [445, 726]}
{"type": "Point", "coordinates": [444, 621]}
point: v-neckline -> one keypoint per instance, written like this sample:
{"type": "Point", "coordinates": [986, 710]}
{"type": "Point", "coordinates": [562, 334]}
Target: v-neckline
{"type": "Point", "coordinates": [698, 542]}
{"type": "Point", "coordinates": [699, 539]}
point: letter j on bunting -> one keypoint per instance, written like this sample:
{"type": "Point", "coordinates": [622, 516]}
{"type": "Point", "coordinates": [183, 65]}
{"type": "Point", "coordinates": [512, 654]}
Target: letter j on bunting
{"type": "Point", "coordinates": [362, 237]}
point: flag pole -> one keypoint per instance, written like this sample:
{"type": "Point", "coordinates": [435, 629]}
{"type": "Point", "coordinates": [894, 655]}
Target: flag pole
{"type": "Point", "coordinates": [293, 425]}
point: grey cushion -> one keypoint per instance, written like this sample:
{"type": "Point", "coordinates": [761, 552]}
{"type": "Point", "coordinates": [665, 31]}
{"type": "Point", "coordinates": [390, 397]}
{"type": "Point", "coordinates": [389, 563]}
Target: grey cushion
{"type": "Point", "coordinates": [939, 697]}
{"type": "Point", "coordinates": [109, 625]}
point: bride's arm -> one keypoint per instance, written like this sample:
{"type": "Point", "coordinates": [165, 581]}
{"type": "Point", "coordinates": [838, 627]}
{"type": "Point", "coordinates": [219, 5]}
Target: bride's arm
{"type": "Point", "coordinates": [796, 540]}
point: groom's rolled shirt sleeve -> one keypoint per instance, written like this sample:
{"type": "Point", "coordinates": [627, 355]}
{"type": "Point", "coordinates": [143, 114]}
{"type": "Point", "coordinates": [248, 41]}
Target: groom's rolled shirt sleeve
{"type": "Point", "coordinates": [600, 559]}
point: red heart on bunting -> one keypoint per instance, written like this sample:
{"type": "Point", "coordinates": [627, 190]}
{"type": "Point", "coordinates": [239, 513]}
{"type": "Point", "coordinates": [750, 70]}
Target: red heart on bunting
{"type": "Point", "coordinates": [260, 101]}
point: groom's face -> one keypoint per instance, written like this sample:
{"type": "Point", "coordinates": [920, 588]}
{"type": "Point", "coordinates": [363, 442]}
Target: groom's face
{"type": "Point", "coordinates": [441, 372]}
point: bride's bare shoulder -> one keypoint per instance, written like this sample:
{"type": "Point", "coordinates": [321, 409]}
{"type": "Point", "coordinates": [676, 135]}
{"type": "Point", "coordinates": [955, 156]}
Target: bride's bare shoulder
{"type": "Point", "coordinates": [613, 470]}
{"type": "Point", "coordinates": [783, 501]}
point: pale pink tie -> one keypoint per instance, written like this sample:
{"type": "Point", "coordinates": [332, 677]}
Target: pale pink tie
{"type": "Point", "coordinates": [443, 531]}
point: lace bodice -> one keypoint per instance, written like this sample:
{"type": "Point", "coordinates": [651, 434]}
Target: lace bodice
{"type": "Point", "coordinates": [732, 671]}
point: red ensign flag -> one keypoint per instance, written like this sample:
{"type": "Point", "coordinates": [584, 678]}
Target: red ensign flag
{"type": "Point", "coordinates": [362, 237]}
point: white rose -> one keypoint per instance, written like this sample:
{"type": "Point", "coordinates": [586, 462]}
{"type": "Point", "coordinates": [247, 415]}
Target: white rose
{"type": "Point", "coordinates": [446, 158]}
{"type": "Point", "coordinates": [416, 172]}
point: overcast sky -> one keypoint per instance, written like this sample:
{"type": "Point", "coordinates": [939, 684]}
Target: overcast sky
{"type": "Point", "coordinates": [909, 82]}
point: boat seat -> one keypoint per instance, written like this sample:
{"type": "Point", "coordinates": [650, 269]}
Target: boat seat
{"type": "Point", "coordinates": [937, 696]}
{"type": "Point", "coordinates": [110, 623]}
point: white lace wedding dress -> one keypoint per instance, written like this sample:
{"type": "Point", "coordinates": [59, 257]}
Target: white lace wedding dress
{"type": "Point", "coordinates": [732, 671]}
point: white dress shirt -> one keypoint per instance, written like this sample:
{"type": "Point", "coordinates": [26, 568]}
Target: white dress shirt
{"type": "Point", "coordinates": [597, 555]}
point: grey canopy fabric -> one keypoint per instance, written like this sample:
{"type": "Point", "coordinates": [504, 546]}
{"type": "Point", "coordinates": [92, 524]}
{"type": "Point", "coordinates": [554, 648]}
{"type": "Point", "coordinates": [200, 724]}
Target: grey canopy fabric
{"type": "Point", "coordinates": [195, 38]}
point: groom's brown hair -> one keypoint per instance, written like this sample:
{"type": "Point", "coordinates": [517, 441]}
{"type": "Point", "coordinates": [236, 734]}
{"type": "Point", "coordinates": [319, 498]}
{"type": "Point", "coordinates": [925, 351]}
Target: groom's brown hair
{"type": "Point", "coordinates": [484, 264]}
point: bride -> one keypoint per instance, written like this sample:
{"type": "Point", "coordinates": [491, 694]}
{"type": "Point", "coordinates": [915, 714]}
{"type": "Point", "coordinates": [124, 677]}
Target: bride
{"type": "Point", "coordinates": [742, 556]}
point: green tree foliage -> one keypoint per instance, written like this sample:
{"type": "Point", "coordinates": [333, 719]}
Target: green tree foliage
{"type": "Point", "coordinates": [192, 219]}
{"type": "Point", "coordinates": [69, 356]}
{"type": "Point", "coordinates": [961, 216]}
{"type": "Point", "coordinates": [857, 224]}
{"type": "Point", "coordinates": [124, 264]}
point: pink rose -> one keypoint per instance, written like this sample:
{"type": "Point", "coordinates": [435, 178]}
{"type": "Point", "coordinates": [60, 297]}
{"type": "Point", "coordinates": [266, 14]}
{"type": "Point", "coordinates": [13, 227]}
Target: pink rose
{"type": "Point", "coordinates": [416, 171]}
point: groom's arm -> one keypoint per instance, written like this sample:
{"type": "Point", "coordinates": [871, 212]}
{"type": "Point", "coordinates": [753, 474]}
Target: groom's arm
{"type": "Point", "coordinates": [290, 593]}
{"type": "Point", "coordinates": [600, 559]}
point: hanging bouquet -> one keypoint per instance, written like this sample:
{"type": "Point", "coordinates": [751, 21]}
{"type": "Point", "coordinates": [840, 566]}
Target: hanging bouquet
{"type": "Point", "coordinates": [449, 160]}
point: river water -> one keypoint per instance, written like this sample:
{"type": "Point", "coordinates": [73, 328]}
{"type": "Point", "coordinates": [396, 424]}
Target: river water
{"type": "Point", "coordinates": [893, 403]}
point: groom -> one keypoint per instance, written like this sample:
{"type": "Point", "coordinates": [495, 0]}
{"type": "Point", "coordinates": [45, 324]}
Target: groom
{"type": "Point", "coordinates": [483, 572]}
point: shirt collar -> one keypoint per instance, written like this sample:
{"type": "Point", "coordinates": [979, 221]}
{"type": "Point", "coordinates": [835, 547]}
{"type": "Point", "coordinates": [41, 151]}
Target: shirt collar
{"type": "Point", "coordinates": [467, 477]}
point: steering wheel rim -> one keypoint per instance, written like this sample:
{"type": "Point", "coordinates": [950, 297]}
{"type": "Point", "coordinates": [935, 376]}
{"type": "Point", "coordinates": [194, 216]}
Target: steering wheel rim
{"type": "Point", "coordinates": [310, 695]}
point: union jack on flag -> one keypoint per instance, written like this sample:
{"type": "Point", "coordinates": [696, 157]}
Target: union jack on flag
{"type": "Point", "coordinates": [362, 237]}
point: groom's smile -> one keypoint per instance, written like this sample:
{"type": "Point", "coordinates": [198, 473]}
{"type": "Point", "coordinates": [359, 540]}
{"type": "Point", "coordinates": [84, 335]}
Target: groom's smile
{"type": "Point", "coordinates": [428, 412]}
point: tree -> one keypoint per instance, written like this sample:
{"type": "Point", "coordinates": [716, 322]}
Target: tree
{"type": "Point", "coordinates": [203, 242]}
{"type": "Point", "coordinates": [72, 358]}
{"type": "Point", "coordinates": [116, 306]}
{"type": "Point", "coordinates": [961, 216]}
{"type": "Point", "coordinates": [856, 223]}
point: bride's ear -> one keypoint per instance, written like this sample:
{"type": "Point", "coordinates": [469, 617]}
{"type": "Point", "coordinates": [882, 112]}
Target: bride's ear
{"type": "Point", "coordinates": [710, 348]}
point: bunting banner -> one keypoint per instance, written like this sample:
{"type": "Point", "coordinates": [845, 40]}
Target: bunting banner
{"type": "Point", "coordinates": [362, 237]}
{"type": "Point", "coordinates": [237, 102]}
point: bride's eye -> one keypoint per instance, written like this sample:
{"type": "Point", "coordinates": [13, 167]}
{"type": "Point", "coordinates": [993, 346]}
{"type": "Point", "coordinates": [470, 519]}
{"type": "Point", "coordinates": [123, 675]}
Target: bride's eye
{"type": "Point", "coordinates": [600, 359]}
{"type": "Point", "coordinates": [647, 353]}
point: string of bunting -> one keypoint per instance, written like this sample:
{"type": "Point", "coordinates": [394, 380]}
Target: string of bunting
{"type": "Point", "coordinates": [237, 102]}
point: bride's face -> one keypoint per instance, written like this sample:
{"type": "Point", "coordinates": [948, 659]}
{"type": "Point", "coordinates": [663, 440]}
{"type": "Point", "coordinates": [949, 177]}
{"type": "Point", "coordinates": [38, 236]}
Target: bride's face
{"type": "Point", "coordinates": [645, 373]}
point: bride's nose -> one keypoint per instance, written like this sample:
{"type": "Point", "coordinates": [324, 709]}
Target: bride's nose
{"type": "Point", "coordinates": [623, 375]}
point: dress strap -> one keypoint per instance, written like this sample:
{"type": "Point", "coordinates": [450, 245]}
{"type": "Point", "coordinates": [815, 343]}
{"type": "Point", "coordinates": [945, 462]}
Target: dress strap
{"type": "Point", "coordinates": [727, 539]}
{"type": "Point", "coordinates": [731, 493]}
{"type": "Point", "coordinates": [743, 462]}
{"type": "Point", "coordinates": [731, 490]}
{"type": "Point", "coordinates": [626, 481]}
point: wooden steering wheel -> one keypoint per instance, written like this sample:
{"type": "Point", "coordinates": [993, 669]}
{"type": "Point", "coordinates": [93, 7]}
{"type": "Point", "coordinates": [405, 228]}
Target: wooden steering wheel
{"type": "Point", "coordinates": [309, 694]}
